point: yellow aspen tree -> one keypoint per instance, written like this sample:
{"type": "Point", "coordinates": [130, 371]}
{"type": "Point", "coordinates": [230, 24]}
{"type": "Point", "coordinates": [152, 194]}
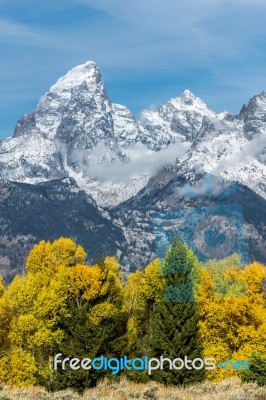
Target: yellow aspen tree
{"type": "Point", "coordinates": [33, 305]}
{"type": "Point", "coordinates": [232, 325]}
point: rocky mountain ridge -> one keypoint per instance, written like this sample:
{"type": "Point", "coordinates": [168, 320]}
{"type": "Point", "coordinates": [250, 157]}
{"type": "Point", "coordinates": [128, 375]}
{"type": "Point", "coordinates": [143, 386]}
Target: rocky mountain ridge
{"type": "Point", "coordinates": [83, 167]}
{"type": "Point", "coordinates": [75, 131]}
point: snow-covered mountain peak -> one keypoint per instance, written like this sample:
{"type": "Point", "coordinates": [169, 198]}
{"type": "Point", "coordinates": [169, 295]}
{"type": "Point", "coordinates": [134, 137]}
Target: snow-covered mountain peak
{"type": "Point", "coordinates": [187, 97]}
{"type": "Point", "coordinates": [77, 132]}
{"type": "Point", "coordinates": [188, 102]}
{"type": "Point", "coordinates": [186, 117]}
{"type": "Point", "coordinates": [75, 105]}
{"type": "Point", "coordinates": [87, 72]}
{"type": "Point", "coordinates": [77, 99]}
{"type": "Point", "coordinates": [253, 115]}
{"type": "Point", "coordinates": [81, 84]}
{"type": "Point", "coordinates": [256, 106]}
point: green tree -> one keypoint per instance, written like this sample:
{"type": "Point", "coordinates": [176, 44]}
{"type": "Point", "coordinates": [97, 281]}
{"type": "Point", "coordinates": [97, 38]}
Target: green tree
{"type": "Point", "coordinates": [257, 370]}
{"type": "Point", "coordinates": [174, 329]}
{"type": "Point", "coordinates": [165, 318]}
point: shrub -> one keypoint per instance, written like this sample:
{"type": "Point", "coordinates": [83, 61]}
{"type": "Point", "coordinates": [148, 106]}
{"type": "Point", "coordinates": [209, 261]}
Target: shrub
{"type": "Point", "coordinates": [257, 370]}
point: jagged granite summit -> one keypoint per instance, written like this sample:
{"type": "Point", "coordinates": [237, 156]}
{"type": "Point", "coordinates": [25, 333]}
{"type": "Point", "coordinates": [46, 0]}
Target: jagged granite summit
{"type": "Point", "coordinates": [83, 167]}
{"type": "Point", "coordinates": [75, 131]}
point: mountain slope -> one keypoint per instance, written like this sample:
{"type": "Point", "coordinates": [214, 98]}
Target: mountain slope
{"type": "Point", "coordinates": [172, 196]}
{"type": "Point", "coordinates": [46, 211]}
{"type": "Point", "coordinates": [81, 166]}
{"type": "Point", "coordinates": [75, 131]}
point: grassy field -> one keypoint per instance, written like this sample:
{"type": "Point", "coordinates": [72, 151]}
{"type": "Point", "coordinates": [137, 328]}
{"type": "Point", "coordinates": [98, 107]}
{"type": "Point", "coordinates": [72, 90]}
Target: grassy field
{"type": "Point", "coordinates": [230, 389]}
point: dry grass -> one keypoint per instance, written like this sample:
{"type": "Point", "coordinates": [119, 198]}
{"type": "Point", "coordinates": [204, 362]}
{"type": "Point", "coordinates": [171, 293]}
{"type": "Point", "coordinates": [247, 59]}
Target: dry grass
{"type": "Point", "coordinates": [229, 389]}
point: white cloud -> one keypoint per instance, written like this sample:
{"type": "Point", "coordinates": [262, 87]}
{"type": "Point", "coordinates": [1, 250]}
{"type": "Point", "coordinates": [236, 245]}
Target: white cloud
{"type": "Point", "coordinates": [239, 156]}
{"type": "Point", "coordinates": [12, 32]}
{"type": "Point", "coordinates": [143, 162]}
{"type": "Point", "coordinates": [207, 186]}
{"type": "Point", "coordinates": [204, 32]}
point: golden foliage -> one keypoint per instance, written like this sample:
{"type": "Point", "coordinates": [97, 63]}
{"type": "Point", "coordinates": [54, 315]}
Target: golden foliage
{"type": "Point", "coordinates": [47, 256]}
{"type": "Point", "coordinates": [234, 324]}
{"type": "Point", "coordinates": [18, 368]}
{"type": "Point", "coordinates": [32, 305]}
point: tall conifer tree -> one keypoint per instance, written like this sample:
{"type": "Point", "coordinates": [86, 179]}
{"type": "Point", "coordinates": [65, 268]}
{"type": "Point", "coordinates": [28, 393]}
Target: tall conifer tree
{"type": "Point", "coordinates": [174, 329]}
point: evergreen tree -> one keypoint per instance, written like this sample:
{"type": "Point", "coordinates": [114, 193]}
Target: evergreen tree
{"type": "Point", "coordinates": [174, 318]}
{"type": "Point", "coordinates": [257, 370]}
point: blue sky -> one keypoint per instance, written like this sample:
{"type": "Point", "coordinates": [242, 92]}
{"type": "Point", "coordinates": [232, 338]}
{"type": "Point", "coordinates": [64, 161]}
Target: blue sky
{"type": "Point", "coordinates": [148, 50]}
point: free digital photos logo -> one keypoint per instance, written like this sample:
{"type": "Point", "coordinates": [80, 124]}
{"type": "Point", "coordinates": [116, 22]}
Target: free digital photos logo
{"type": "Point", "coordinates": [147, 363]}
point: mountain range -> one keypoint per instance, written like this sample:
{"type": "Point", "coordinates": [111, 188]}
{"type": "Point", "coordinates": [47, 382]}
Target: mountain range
{"type": "Point", "coordinates": [82, 166]}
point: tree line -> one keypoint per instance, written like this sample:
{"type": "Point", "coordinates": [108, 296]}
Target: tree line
{"type": "Point", "coordinates": [176, 307]}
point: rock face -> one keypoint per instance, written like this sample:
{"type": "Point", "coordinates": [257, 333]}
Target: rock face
{"type": "Point", "coordinates": [189, 203]}
{"type": "Point", "coordinates": [126, 166]}
{"type": "Point", "coordinates": [75, 131]}
{"type": "Point", "coordinates": [185, 117]}
{"type": "Point", "coordinates": [73, 128]}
